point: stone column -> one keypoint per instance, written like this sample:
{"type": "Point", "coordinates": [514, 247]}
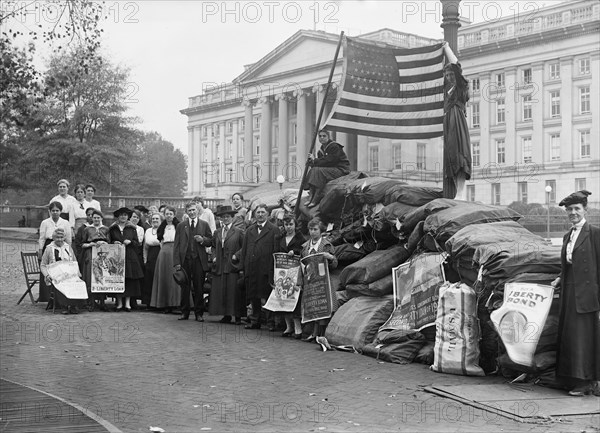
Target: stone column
{"type": "Point", "coordinates": [221, 157]}
{"type": "Point", "coordinates": [265, 140]}
{"type": "Point", "coordinates": [247, 172]}
{"type": "Point", "coordinates": [191, 172]}
{"type": "Point", "coordinates": [284, 141]}
{"type": "Point", "coordinates": [450, 23]}
{"type": "Point", "coordinates": [487, 100]}
{"type": "Point", "coordinates": [537, 117]}
{"type": "Point", "coordinates": [594, 102]}
{"type": "Point", "coordinates": [302, 134]}
{"type": "Point", "coordinates": [195, 164]}
{"type": "Point", "coordinates": [511, 106]}
{"type": "Point", "coordinates": [362, 160]}
{"type": "Point", "coordinates": [566, 109]}
{"type": "Point", "coordinates": [385, 155]}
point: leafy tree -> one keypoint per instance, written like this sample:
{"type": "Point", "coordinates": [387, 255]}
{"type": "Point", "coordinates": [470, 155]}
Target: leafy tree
{"type": "Point", "coordinates": [161, 169]}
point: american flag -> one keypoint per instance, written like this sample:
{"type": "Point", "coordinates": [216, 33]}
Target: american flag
{"type": "Point", "coordinates": [390, 92]}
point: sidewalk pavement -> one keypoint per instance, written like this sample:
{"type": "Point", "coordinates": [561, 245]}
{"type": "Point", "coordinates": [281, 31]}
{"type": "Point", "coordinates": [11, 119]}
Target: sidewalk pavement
{"type": "Point", "coordinates": [143, 369]}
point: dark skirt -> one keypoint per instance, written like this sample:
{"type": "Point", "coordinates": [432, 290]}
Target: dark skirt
{"type": "Point", "coordinates": [62, 301]}
{"type": "Point", "coordinates": [224, 295]}
{"type": "Point", "coordinates": [149, 274]}
{"type": "Point", "coordinates": [44, 289]}
{"type": "Point", "coordinates": [319, 176]}
{"type": "Point", "coordinates": [578, 356]}
{"type": "Point", "coordinates": [132, 288]}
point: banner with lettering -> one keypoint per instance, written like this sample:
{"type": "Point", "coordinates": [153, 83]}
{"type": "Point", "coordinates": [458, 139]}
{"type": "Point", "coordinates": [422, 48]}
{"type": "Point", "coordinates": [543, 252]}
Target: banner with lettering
{"type": "Point", "coordinates": [286, 287]}
{"type": "Point", "coordinates": [108, 268]}
{"type": "Point", "coordinates": [416, 291]}
{"type": "Point", "coordinates": [65, 278]}
{"type": "Point", "coordinates": [317, 296]}
{"type": "Point", "coordinates": [521, 319]}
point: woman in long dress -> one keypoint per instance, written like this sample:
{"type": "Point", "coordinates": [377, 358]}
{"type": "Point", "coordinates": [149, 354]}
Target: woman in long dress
{"type": "Point", "coordinates": [47, 228]}
{"type": "Point", "coordinates": [166, 294]}
{"type": "Point", "coordinates": [94, 235]}
{"type": "Point", "coordinates": [124, 232]}
{"type": "Point", "coordinates": [151, 251]}
{"type": "Point", "coordinates": [225, 299]}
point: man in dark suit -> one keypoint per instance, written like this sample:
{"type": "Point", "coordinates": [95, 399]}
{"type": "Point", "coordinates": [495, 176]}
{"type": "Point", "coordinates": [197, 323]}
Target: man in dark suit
{"type": "Point", "coordinates": [578, 355]}
{"type": "Point", "coordinates": [261, 240]}
{"type": "Point", "coordinates": [189, 253]}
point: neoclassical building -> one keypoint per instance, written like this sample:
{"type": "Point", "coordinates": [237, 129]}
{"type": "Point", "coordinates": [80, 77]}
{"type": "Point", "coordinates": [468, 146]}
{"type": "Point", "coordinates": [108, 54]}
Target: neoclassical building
{"type": "Point", "coordinates": [533, 114]}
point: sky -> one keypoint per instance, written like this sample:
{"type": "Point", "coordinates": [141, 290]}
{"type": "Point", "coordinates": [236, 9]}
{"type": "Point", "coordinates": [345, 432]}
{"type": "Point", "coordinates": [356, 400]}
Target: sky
{"type": "Point", "coordinates": [175, 48]}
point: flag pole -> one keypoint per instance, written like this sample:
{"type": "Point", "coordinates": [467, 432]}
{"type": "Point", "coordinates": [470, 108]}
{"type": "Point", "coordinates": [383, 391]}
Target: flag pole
{"type": "Point", "coordinates": [316, 131]}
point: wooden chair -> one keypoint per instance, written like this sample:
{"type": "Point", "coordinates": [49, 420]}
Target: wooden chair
{"type": "Point", "coordinates": [31, 269]}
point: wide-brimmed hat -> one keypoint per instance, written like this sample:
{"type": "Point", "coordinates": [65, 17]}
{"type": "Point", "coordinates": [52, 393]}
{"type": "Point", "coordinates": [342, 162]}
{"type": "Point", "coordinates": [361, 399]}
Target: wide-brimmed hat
{"type": "Point", "coordinates": [122, 210]}
{"type": "Point", "coordinates": [180, 277]}
{"type": "Point", "coordinates": [226, 209]}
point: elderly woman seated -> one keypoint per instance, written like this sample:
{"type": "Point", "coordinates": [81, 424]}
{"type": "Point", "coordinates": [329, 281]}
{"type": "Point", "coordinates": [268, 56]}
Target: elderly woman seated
{"type": "Point", "coordinates": [56, 251]}
{"type": "Point", "coordinates": [331, 162]}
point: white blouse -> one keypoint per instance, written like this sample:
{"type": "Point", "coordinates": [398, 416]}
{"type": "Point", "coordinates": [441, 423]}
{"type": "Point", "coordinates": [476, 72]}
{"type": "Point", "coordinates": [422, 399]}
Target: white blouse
{"type": "Point", "coordinates": [92, 203]}
{"type": "Point", "coordinates": [69, 203]}
{"type": "Point", "coordinates": [47, 228]}
{"type": "Point", "coordinates": [169, 235]}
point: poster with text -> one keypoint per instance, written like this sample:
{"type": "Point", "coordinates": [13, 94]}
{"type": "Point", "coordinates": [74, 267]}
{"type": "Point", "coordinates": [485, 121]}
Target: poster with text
{"type": "Point", "coordinates": [416, 291]}
{"type": "Point", "coordinates": [521, 319]}
{"type": "Point", "coordinates": [108, 268]}
{"type": "Point", "coordinates": [286, 287]}
{"type": "Point", "coordinates": [317, 297]}
{"type": "Point", "coordinates": [65, 278]}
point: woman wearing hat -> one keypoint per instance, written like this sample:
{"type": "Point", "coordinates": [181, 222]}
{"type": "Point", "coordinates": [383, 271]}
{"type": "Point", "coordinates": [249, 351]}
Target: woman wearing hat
{"type": "Point", "coordinates": [578, 355]}
{"type": "Point", "coordinates": [56, 251]}
{"type": "Point", "coordinates": [93, 236]}
{"type": "Point", "coordinates": [224, 297]}
{"type": "Point", "coordinates": [124, 232]}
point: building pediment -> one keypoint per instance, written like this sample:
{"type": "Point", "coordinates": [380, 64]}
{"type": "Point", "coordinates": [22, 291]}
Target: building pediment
{"type": "Point", "coordinates": [305, 49]}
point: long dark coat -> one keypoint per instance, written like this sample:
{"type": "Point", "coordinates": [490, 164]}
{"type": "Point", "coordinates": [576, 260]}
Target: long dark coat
{"type": "Point", "coordinates": [578, 354]}
{"type": "Point", "coordinates": [223, 252]}
{"type": "Point", "coordinates": [256, 257]}
{"type": "Point", "coordinates": [133, 267]}
{"type": "Point", "coordinates": [295, 244]}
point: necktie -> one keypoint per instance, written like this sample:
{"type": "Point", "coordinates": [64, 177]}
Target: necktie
{"type": "Point", "coordinates": [225, 229]}
{"type": "Point", "coordinates": [193, 225]}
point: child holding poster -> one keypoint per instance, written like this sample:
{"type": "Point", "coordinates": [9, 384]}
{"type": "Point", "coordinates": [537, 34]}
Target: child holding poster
{"type": "Point", "coordinates": [317, 244]}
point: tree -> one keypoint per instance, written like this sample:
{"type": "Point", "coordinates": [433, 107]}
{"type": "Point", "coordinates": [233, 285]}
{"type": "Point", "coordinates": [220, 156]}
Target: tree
{"type": "Point", "coordinates": [161, 170]}
{"type": "Point", "coordinates": [81, 128]}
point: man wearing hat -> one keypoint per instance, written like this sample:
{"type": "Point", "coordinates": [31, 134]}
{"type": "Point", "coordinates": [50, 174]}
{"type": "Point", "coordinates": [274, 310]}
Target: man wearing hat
{"type": "Point", "coordinates": [189, 254]}
{"type": "Point", "coordinates": [225, 299]}
{"type": "Point", "coordinates": [578, 355]}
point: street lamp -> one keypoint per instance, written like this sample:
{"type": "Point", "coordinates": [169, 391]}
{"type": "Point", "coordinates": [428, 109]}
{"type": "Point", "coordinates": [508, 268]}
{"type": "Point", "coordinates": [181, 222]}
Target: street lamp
{"type": "Point", "coordinates": [280, 180]}
{"type": "Point", "coordinates": [548, 191]}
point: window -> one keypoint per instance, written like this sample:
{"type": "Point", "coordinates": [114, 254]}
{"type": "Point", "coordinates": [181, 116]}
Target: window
{"type": "Point", "coordinates": [554, 71]}
{"type": "Point", "coordinates": [275, 136]}
{"type": "Point", "coordinates": [294, 134]}
{"type": "Point", "coordinates": [555, 147]}
{"type": "Point", "coordinates": [527, 76]}
{"type": "Point", "coordinates": [204, 131]}
{"type": "Point", "coordinates": [397, 155]}
{"type": "Point", "coordinates": [256, 122]}
{"type": "Point", "coordinates": [470, 192]}
{"type": "Point", "coordinates": [584, 100]}
{"type": "Point", "coordinates": [580, 183]}
{"type": "Point", "coordinates": [584, 143]}
{"type": "Point", "coordinates": [555, 103]}
{"type": "Point", "coordinates": [500, 111]}
{"type": "Point", "coordinates": [500, 151]}
{"type": "Point", "coordinates": [256, 145]}
{"type": "Point", "coordinates": [500, 79]}
{"type": "Point", "coordinates": [229, 127]}
{"type": "Point", "coordinates": [475, 153]}
{"type": "Point", "coordinates": [475, 85]}
{"type": "Point", "coordinates": [475, 114]}
{"type": "Point", "coordinates": [523, 192]}
{"type": "Point", "coordinates": [496, 194]}
{"type": "Point", "coordinates": [421, 156]}
{"type": "Point", "coordinates": [229, 148]}
{"type": "Point", "coordinates": [584, 66]}
{"type": "Point", "coordinates": [241, 141]}
{"type": "Point", "coordinates": [374, 158]}
{"type": "Point", "coordinates": [527, 113]}
{"type": "Point", "coordinates": [242, 126]}
{"type": "Point", "coordinates": [552, 195]}
{"type": "Point", "coordinates": [527, 151]}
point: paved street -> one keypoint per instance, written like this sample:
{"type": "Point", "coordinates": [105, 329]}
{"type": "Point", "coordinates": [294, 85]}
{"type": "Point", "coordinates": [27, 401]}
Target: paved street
{"type": "Point", "coordinates": [143, 369]}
